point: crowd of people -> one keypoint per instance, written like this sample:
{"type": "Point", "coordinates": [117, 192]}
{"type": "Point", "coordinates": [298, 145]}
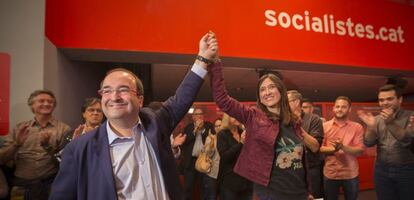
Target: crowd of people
{"type": "Point", "coordinates": [276, 150]}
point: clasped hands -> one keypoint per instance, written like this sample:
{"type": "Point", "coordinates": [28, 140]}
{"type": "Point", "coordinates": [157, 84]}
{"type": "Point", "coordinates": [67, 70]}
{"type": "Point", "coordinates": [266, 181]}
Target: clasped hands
{"type": "Point", "coordinates": [208, 47]}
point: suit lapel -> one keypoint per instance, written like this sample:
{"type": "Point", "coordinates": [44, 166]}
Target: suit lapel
{"type": "Point", "coordinates": [150, 130]}
{"type": "Point", "coordinates": [104, 163]}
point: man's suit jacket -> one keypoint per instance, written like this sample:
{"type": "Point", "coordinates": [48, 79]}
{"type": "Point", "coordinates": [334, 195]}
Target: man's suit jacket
{"type": "Point", "coordinates": [86, 168]}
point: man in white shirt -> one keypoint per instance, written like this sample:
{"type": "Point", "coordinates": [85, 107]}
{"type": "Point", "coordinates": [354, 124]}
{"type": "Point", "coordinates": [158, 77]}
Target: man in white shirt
{"type": "Point", "coordinates": [129, 156]}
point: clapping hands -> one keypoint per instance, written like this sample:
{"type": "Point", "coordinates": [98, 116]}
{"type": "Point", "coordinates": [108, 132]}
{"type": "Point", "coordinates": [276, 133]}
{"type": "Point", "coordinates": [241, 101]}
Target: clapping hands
{"type": "Point", "coordinates": [334, 146]}
{"type": "Point", "coordinates": [367, 117]}
{"type": "Point", "coordinates": [243, 137]}
{"type": "Point", "coordinates": [198, 126]}
{"type": "Point", "coordinates": [45, 137]}
{"type": "Point", "coordinates": [387, 114]}
{"type": "Point", "coordinates": [83, 128]}
{"type": "Point", "coordinates": [178, 140]}
{"type": "Point", "coordinates": [22, 135]}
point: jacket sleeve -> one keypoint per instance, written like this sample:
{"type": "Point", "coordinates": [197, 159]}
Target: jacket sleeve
{"type": "Point", "coordinates": [227, 104]}
{"type": "Point", "coordinates": [316, 129]}
{"type": "Point", "coordinates": [178, 105]}
{"type": "Point", "coordinates": [65, 184]}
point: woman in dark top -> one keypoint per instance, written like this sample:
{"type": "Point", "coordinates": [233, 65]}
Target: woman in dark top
{"type": "Point", "coordinates": [273, 155]}
{"type": "Point", "coordinates": [229, 144]}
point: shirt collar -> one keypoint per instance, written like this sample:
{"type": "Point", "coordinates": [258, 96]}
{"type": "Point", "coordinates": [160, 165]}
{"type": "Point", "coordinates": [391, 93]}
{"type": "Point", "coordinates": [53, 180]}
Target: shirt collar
{"type": "Point", "coordinates": [334, 122]}
{"type": "Point", "coordinates": [112, 136]}
{"type": "Point", "coordinates": [52, 121]}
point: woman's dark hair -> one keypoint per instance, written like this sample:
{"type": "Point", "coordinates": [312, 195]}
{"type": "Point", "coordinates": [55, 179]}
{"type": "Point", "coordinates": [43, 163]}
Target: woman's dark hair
{"type": "Point", "coordinates": [89, 102]}
{"type": "Point", "coordinates": [285, 116]}
{"type": "Point", "coordinates": [214, 124]}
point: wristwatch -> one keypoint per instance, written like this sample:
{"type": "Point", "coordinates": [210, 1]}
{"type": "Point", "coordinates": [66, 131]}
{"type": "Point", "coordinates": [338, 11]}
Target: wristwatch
{"type": "Point", "coordinates": [204, 60]}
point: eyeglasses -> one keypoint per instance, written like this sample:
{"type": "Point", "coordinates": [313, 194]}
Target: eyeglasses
{"type": "Point", "coordinates": [91, 110]}
{"type": "Point", "coordinates": [121, 91]}
{"type": "Point", "coordinates": [198, 113]}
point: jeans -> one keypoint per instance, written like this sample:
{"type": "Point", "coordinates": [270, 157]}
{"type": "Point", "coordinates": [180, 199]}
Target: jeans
{"type": "Point", "coordinates": [228, 194]}
{"type": "Point", "coordinates": [315, 175]}
{"type": "Point", "coordinates": [208, 185]}
{"type": "Point", "coordinates": [209, 188]}
{"type": "Point", "coordinates": [350, 187]}
{"type": "Point", "coordinates": [394, 182]}
{"type": "Point", "coordinates": [38, 189]}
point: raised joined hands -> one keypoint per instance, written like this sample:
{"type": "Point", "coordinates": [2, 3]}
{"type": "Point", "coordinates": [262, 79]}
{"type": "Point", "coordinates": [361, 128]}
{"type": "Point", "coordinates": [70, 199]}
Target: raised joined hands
{"type": "Point", "coordinates": [208, 47]}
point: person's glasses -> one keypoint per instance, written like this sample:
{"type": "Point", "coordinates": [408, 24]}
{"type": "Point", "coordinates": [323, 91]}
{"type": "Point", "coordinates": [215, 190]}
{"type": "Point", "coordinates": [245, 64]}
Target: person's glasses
{"type": "Point", "coordinates": [198, 114]}
{"type": "Point", "coordinates": [92, 110]}
{"type": "Point", "coordinates": [121, 91]}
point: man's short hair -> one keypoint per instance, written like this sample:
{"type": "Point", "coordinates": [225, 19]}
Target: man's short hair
{"type": "Point", "coordinates": [345, 98]}
{"type": "Point", "coordinates": [198, 108]}
{"type": "Point", "coordinates": [390, 87]}
{"type": "Point", "coordinates": [295, 94]}
{"type": "Point", "coordinates": [36, 93]}
{"type": "Point", "coordinates": [306, 100]}
{"type": "Point", "coordinates": [138, 82]}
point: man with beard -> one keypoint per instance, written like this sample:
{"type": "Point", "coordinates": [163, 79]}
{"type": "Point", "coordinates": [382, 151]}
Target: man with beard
{"type": "Point", "coordinates": [392, 131]}
{"type": "Point", "coordinates": [307, 106]}
{"type": "Point", "coordinates": [343, 142]}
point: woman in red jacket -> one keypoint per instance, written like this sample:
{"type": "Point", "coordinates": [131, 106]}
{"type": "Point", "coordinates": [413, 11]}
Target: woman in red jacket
{"type": "Point", "coordinates": [273, 156]}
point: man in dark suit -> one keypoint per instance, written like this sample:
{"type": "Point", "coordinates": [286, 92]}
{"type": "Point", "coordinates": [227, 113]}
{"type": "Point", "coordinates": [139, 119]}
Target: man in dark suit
{"type": "Point", "coordinates": [129, 156]}
{"type": "Point", "coordinates": [196, 134]}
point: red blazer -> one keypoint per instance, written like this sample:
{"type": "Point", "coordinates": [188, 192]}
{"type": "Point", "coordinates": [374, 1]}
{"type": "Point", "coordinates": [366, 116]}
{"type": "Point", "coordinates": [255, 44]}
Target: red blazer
{"type": "Point", "coordinates": [256, 158]}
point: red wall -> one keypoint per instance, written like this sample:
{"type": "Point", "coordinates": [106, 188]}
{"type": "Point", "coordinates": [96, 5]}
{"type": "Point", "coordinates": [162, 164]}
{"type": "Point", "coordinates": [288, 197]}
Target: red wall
{"type": "Point", "coordinates": [4, 93]}
{"type": "Point", "coordinates": [175, 27]}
